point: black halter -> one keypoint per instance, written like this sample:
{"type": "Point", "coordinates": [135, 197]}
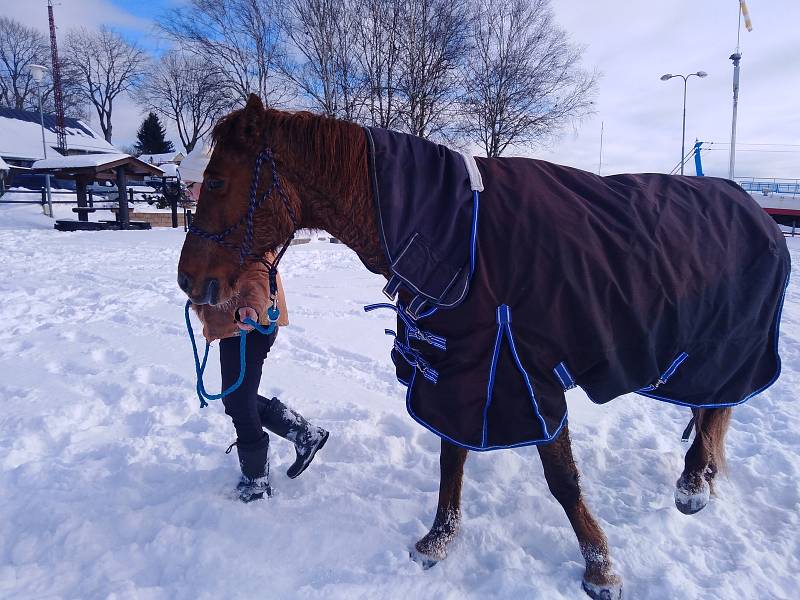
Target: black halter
{"type": "Point", "coordinates": [246, 248]}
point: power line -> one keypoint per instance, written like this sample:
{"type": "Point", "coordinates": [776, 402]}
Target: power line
{"type": "Point", "coordinates": [752, 144]}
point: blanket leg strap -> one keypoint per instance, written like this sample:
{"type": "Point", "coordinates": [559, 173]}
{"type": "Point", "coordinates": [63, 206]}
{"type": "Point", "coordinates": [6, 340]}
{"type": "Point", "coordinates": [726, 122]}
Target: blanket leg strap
{"type": "Point", "coordinates": [688, 431]}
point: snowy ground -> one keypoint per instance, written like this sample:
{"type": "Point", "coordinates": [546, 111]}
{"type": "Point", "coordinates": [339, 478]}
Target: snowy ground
{"type": "Point", "coordinates": [113, 484]}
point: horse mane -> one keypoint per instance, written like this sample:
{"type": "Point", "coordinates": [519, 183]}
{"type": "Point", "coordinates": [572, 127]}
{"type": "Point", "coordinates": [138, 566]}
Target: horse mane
{"type": "Point", "coordinates": [327, 160]}
{"type": "Point", "coordinates": [334, 149]}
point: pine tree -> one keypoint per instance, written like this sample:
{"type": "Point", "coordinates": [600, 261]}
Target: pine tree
{"type": "Point", "coordinates": [151, 137]}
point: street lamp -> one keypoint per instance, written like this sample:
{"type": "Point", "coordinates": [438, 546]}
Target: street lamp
{"type": "Point", "coordinates": [685, 78]}
{"type": "Point", "coordinates": [38, 72]}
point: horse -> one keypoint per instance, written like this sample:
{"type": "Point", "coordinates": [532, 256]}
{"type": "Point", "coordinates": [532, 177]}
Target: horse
{"type": "Point", "coordinates": [322, 179]}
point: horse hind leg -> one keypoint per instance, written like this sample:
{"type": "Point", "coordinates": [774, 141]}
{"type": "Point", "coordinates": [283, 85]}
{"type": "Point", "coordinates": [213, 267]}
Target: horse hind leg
{"type": "Point", "coordinates": [599, 580]}
{"type": "Point", "coordinates": [704, 459]}
{"type": "Point", "coordinates": [433, 547]}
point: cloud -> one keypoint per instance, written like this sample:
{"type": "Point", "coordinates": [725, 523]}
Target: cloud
{"type": "Point", "coordinates": [73, 13]}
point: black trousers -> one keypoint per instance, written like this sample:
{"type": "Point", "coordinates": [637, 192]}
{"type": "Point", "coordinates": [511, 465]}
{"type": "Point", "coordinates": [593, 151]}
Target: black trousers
{"type": "Point", "coordinates": [242, 406]}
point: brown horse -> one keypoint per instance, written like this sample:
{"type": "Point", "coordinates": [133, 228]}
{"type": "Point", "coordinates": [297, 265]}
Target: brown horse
{"type": "Point", "coordinates": [322, 167]}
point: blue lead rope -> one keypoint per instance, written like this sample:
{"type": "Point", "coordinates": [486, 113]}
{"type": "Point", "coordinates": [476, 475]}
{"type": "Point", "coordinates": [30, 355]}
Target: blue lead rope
{"type": "Point", "coordinates": [272, 313]}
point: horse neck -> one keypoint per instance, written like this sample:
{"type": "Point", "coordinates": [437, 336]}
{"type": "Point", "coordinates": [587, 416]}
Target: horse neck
{"type": "Point", "coordinates": [341, 202]}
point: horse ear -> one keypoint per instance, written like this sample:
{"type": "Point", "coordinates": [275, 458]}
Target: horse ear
{"type": "Point", "coordinates": [254, 104]}
{"type": "Point", "coordinates": [251, 123]}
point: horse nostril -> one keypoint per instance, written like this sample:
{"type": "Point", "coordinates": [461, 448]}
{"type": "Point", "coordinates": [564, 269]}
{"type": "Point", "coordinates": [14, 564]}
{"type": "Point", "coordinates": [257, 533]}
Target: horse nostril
{"type": "Point", "coordinates": [211, 292]}
{"type": "Point", "coordinates": [184, 282]}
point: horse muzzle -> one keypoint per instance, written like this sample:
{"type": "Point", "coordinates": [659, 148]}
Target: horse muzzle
{"type": "Point", "coordinates": [208, 292]}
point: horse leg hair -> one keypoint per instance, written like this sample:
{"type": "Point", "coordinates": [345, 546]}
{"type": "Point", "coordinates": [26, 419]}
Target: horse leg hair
{"type": "Point", "coordinates": [562, 478]}
{"type": "Point", "coordinates": [433, 547]}
{"type": "Point", "coordinates": [704, 459]}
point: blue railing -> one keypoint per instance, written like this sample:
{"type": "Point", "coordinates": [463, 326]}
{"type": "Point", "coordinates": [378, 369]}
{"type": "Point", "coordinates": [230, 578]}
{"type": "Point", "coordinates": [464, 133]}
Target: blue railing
{"type": "Point", "coordinates": [767, 185]}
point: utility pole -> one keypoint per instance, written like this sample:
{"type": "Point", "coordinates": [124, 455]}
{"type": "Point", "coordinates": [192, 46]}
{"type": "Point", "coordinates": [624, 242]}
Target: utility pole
{"type": "Point", "coordinates": [600, 166]}
{"type": "Point", "coordinates": [735, 57]}
{"type": "Point", "coordinates": [58, 96]}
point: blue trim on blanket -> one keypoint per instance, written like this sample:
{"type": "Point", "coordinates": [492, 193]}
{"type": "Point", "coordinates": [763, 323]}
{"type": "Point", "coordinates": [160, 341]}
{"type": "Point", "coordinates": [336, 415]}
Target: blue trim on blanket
{"type": "Point", "coordinates": [664, 377]}
{"type": "Point", "coordinates": [504, 329]}
{"type": "Point", "coordinates": [564, 376]}
{"type": "Point", "coordinates": [525, 376]}
{"type": "Point", "coordinates": [455, 442]}
{"type": "Point", "coordinates": [490, 387]}
{"type": "Point", "coordinates": [476, 204]}
{"type": "Point", "coordinates": [750, 395]}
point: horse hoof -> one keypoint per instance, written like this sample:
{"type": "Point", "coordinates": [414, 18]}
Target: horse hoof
{"type": "Point", "coordinates": [691, 496]}
{"type": "Point", "coordinates": [611, 591]}
{"type": "Point", "coordinates": [426, 562]}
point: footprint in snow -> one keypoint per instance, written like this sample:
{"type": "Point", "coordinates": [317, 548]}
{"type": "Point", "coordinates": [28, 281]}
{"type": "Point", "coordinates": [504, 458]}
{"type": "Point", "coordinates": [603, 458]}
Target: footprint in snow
{"type": "Point", "coordinates": [109, 355]}
{"type": "Point", "coordinates": [158, 375]}
{"type": "Point", "coordinates": [397, 426]}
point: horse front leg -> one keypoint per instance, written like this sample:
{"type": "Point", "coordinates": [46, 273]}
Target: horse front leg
{"type": "Point", "coordinates": [433, 547]}
{"type": "Point", "coordinates": [561, 473]}
{"type": "Point", "coordinates": [704, 459]}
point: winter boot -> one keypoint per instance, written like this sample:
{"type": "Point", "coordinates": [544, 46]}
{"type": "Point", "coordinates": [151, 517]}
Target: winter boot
{"type": "Point", "coordinates": [254, 483]}
{"type": "Point", "coordinates": [283, 421]}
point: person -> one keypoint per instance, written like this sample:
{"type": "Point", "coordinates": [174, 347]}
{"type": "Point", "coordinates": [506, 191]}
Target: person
{"type": "Point", "coordinates": [249, 411]}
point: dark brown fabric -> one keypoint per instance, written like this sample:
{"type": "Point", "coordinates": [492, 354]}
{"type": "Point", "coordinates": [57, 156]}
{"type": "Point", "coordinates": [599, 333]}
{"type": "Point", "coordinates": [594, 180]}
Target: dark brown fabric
{"type": "Point", "coordinates": [615, 277]}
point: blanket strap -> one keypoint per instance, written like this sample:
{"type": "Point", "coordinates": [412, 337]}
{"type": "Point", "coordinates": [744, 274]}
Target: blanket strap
{"type": "Point", "coordinates": [688, 431]}
{"type": "Point", "coordinates": [437, 341]}
{"type": "Point", "coordinates": [417, 307]}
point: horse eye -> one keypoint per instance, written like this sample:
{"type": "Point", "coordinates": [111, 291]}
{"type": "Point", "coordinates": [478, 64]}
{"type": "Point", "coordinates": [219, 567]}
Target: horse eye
{"type": "Point", "coordinates": [214, 184]}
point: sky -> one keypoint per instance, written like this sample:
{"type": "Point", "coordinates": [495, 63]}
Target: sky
{"type": "Point", "coordinates": [631, 44]}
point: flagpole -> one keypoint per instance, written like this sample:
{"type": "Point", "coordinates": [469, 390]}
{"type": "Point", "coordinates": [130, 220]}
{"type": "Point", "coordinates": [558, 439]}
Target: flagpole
{"type": "Point", "coordinates": [736, 57]}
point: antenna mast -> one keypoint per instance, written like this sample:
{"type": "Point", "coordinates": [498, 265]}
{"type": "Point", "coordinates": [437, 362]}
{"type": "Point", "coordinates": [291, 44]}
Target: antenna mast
{"type": "Point", "coordinates": [58, 96]}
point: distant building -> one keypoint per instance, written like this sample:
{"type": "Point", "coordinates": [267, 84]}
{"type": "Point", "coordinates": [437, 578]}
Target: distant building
{"type": "Point", "coordinates": [162, 159]}
{"type": "Point", "coordinates": [21, 138]}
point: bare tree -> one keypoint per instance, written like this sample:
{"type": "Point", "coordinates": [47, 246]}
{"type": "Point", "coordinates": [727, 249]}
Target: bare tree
{"type": "Point", "coordinates": [378, 35]}
{"type": "Point", "coordinates": [523, 77]}
{"type": "Point", "coordinates": [433, 41]}
{"type": "Point", "coordinates": [325, 70]}
{"type": "Point", "coordinates": [74, 102]}
{"type": "Point", "coordinates": [242, 37]}
{"type": "Point", "coordinates": [19, 47]}
{"type": "Point", "coordinates": [188, 91]}
{"type": "Point", "coordinates": [108, 65]}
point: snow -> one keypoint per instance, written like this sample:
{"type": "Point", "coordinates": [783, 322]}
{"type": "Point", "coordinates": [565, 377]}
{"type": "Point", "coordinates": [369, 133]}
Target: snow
{"type": "Point", "coordinates": [160, 159]}
{"type": "Point", "coordinates": [114, 484]}
{"type": "Point", "coordinates": [170, 169]}
{"type": "Point", "coordinates": [3, 165]}
{"type": "Point", "coordinates": [77, 161]}
{"type": "Point", "coordinates": [23, 139]}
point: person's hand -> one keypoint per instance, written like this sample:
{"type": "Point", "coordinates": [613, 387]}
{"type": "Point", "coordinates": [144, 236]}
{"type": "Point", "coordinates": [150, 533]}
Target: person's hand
{"type": "Point", "coordinates": [246, 312]}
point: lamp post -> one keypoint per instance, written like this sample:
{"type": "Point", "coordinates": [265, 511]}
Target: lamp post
{"type": "Point", "coordinates": [685, 78]}
{"type": "Point", "coordinates": [37, 72]}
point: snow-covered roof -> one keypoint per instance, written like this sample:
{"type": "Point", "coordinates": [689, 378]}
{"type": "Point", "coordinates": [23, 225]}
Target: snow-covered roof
{"type": "Point", "coordinates": [160, 159]}
{"type": "Point", "coordinates": [95, 161]}
{"type": "Point", "coordinates": [3, 165]}
{"type": "Point", "coordinates": [21, 136]}
{"type": "Point", "coordinates": [170, 169]}
{"type": "Point", "coordinates": [77, 161]}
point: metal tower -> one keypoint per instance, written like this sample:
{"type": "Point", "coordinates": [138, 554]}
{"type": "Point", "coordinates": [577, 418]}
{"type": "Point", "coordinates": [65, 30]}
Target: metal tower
{"type": "Point", "coordinates": [57, 93]}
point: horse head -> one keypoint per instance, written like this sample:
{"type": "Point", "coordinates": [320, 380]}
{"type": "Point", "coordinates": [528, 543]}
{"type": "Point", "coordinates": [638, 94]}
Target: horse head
{"type": "Point", "coordinates": [248, 204]}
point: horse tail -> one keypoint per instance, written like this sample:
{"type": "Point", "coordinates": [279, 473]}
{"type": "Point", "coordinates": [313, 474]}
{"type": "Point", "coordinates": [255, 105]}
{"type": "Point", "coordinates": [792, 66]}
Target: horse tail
{"type": "Point", "coordinates": [711, 424]}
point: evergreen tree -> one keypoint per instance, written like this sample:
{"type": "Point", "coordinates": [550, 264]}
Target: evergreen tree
{"type": "Point", "coordinates": [151, 137]}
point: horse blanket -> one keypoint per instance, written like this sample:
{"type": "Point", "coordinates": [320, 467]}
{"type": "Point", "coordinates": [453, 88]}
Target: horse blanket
{"type": "Point", "coordinates": [517, 279]}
